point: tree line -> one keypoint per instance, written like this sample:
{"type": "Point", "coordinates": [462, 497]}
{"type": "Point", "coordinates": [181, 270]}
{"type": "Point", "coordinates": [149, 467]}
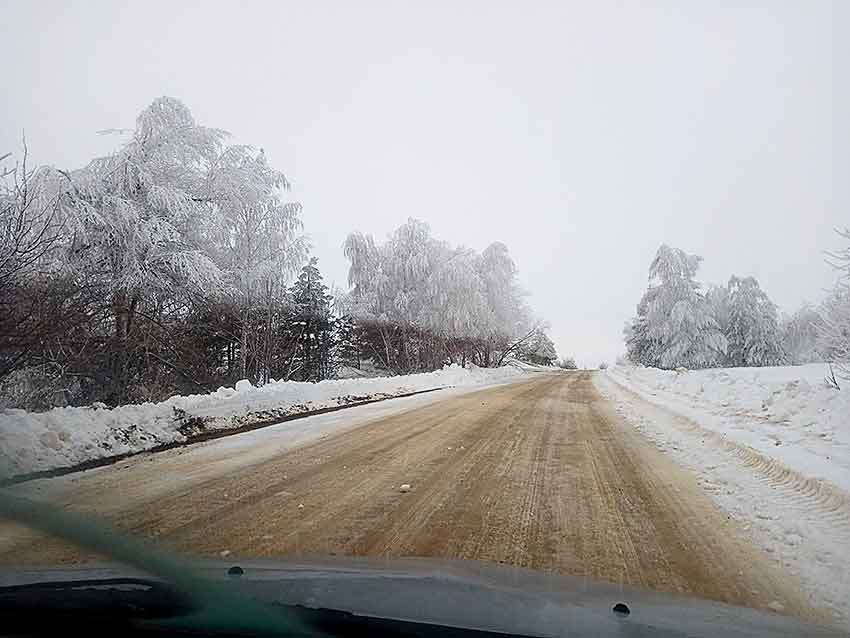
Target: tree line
{"type": "Point", "coordinates": [680, 324]}
{"type": "Point", "coordinates": [177, 264]}
{"type": "Point", "coordinates": [420, 302]}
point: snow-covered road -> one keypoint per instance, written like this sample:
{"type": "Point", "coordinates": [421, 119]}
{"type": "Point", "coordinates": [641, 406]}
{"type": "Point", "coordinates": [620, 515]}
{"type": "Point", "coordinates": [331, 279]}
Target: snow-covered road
{"type": "Point", "coordinates": [771, 448]}
{"type": "Point", "coordinates": [783, 506]}
{"type": "Point", "coordinates": [186, 467]}
{"type": "Point", "coordinates": [539, 474]}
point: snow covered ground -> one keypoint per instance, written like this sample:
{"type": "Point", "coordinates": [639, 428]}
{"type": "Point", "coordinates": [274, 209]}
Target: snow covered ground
{"type": "Point", "coordinates": [771, 446]}
{"type": "Point", "coordinates": [785, 413]}
{"type": "Point", "coordinates": [195, 464]}
{"type": "Point", "coordinates": [61, 437]}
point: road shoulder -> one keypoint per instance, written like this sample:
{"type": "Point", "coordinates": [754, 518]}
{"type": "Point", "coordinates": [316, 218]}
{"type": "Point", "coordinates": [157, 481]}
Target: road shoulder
{"type": "Point", "coordinates": [799, 528]}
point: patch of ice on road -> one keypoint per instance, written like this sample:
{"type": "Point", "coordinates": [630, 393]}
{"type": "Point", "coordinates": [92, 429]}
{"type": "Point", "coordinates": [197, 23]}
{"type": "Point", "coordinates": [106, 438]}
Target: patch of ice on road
{"type": "Point", "coordinates": [800, 520]}
{"type": "Point", "coordinates": [61, 437]}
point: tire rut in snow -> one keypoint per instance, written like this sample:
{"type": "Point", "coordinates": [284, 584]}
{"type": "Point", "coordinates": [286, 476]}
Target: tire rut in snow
{"type": "Point", "coordinates": [826, 501]}
{"type": "Point", "coordinates": [803, 523]}
{"type": "Point", "coordinates": [540, 475]}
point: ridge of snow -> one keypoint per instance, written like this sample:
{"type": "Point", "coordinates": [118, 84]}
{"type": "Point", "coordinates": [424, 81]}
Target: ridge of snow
{"type": "Point", "coordinates": [770, 446]}
{"type": "Point", "coordinates": [61, 437]}
{"type": "Point", "coordinates": [786, 412]}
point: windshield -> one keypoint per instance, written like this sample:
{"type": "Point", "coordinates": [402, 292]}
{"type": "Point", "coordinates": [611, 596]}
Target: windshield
{"type": "Point", "coordinates": [552, 289]}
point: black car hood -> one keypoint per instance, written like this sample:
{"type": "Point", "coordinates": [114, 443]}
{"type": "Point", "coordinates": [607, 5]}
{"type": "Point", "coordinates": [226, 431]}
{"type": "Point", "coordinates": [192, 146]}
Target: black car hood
{"type": "Point", "coordinates": [465, 594]}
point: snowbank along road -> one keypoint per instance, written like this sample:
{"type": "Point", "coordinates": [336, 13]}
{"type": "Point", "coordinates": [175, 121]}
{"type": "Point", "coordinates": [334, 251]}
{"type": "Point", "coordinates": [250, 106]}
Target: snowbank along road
{"type": "Point", "coordinates": [541, 473]}
{"type": "Point", "coordinates": [771, 450]}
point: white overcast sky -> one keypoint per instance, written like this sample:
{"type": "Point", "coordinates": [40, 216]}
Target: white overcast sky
{"type": "Point", "coordinates": [582, 136]}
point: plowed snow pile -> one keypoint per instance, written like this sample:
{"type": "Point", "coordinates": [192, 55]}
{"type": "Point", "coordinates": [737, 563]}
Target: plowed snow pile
{"type": "Point", "coordinates": [61, 437]}
{"type": "Point", "coordinates": [786, 413]}
{"type": "Point", "coordinates": [772, 448]}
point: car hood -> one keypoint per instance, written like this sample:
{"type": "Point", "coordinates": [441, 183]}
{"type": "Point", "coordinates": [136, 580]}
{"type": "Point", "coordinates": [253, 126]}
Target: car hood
{"type": "Point", "coordinates": [464, 594]}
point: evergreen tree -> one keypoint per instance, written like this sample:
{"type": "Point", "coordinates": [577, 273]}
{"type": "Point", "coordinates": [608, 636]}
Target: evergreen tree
{"type": "Point", "coordinates": [310, 326]}
{"type": "Point", "coordinates": [346, 343]}
{"type": "Point", "coordinates": [753, 328]}
{"type": "Point", "coordinates": [641, 349]}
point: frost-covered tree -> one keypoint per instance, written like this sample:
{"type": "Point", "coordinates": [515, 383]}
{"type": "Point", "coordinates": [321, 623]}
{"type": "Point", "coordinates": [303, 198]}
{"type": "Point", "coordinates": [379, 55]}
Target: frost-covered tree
{"type": "Point", "coordinates": [136, 217]}
{"type": "Point", "coordinates": [753, 325]}
{"type": "Point", "coordinates": [138, 212]}
{"type": "Point", "coordinates": [568, 363]}
{"type": "Point", "coordinates": [799, 335]}
{"type": "Point", "coordinates": [509, 318]}
{"type": "Point", "coordinates": [540, 350]}
{"type": "Point", "coordinates": [254, 236]}
{"type": "Point", "coordinates": [389, 283]}
{"type": "Point", "coordinates": [175, 214]}
{"type": "Point", "coordinates": [454, 304]}
{"type": "Point", "coordinates": [717, 298]}
{"type": "Point", "coordinates": [30, 221]}
{"type": "Point", "coordinates": [674, 326]}
{"type": "Point", "coordinates": [31, 238]}
{"type": "Point", "coordinates": [426, 302]}
{"type": "Point", "coordinates": [641, 347]}
{"type": "Point", "coordinates": [347, 343]}
{"type": "Point", "coordinates": [165, 230]}
{"type": "Point", "coordinates": [834, 328]}
{"type": "Point", "coordinates": [391, 278]}
{"type": "Point", "coordinates": [160, 268]}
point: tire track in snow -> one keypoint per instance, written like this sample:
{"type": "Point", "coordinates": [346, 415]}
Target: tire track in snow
{"type": "Point", "coordinates": [802, 522]}
{"type": "Point", "coordinates": [543, 474]}
{"type": "Point", "coordinates": [810, 493]}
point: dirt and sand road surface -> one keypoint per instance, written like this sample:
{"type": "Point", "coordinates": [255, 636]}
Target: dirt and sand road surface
{"type": "Point", "coordinates": [541, 473]}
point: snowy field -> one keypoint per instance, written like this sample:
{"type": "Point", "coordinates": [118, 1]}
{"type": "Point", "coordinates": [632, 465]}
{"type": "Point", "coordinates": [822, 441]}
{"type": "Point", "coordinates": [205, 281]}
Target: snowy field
{"type": "Point", "coordinates": [62, 437]}
{"type": "Point", "coordinates": [771, 446]}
